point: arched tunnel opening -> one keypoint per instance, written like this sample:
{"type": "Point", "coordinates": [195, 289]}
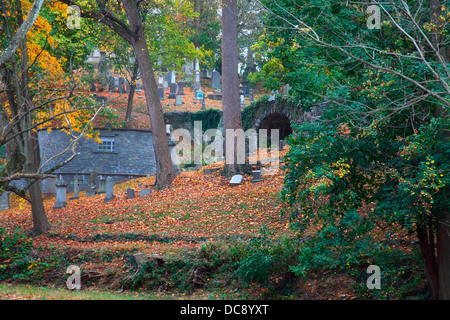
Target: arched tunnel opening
{"type": "Point", "coordinates": [276, 121]}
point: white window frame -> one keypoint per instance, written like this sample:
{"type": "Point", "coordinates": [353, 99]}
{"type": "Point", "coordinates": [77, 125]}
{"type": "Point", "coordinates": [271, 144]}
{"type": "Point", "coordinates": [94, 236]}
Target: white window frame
{"type": "Point", "coordinates": [107, 145]}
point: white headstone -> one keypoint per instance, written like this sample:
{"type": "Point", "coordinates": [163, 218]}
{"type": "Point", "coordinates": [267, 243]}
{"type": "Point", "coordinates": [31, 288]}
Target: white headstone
{"type": "Point", "coordinates": [236, 179]}
{"type": "Point", "coordinates": [109, 190]}
{"type": "Point", "coordinates": [61, 194]}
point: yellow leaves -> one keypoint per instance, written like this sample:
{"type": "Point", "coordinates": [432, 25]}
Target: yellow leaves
{"type": "Point", "coordinates": [344, 129]}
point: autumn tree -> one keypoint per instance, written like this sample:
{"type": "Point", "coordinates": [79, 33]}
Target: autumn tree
{"type": "Point", "coordinates": [131, 29]}
{"type": "Point", "coordinates": [378, 158]}
{"type": "Point", "coordinates": [34, 94]}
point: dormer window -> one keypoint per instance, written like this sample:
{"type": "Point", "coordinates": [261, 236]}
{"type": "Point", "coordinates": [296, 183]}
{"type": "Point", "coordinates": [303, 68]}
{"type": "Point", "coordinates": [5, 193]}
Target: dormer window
{"type": "Point", "coordinates": [107, 144]}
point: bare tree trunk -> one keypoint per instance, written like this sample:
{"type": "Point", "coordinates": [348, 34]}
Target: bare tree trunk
{"type": "Point", "coordinates": [132, 90]}
{"type": "Point", "coordinates": [198, 5]}
{"type": "Point", "coordinates": [230, 79]}
{"type": "Point", "coordinates": [427, 252]}
{"type": "Point", "coordinates": [164, 170]}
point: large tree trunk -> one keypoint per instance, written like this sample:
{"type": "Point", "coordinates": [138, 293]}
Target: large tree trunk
{"type": "Point", "coordinates": [40, 222]}
{"type": "Point", "coordinates": [230, 80]}
{"type": "Point", "coordinates": [31, 143]}
{"type": "Point", "coordinates": [443, 231]}
{"type": "Point", "coordinates": [426, 240]}
{"type": "Point", "coordinates": [164, 170]}
{"type": "Point", "coordinates": [443, 253]}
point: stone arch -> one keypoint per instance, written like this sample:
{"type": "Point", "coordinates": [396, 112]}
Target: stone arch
{"type": "Point", "coordinates": [256, 114]}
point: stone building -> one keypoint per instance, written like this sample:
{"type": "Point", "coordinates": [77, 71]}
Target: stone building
{"type": "Point", "coordinates": [123, 154]}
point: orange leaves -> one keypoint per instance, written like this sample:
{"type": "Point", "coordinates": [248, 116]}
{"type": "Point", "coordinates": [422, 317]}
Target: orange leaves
{"type": "Point", "coordinates": [196, 207]}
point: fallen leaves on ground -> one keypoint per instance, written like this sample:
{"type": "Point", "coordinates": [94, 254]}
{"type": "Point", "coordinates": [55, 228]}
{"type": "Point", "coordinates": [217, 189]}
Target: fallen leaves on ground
{"type": "Point", "coordinates": [196, 208]}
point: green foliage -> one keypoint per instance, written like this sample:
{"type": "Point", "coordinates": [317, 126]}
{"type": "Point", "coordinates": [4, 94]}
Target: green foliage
{"type": "Point", "coordinates": [209, 118]}
{"type": "Point", "coordinates": [378, 159]}
{"type": "Point", "coordinates": [266, 256]}
{"type": "Point", "coordinates": [15, 260]}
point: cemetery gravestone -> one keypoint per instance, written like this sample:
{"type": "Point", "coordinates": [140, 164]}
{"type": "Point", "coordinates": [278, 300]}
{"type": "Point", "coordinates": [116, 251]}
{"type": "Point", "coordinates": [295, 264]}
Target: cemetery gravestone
{"type": "Point", "coordinates": [121, 85]}
{"type": "Point", "coordinates": [51, 185]}
{"type": "Point", "coordinates": [181, 88]}
{"type": "Point", "coordinates": [76, 187]}
{"type": "Point", "coordinates": [161, 93]}
{"type": "Point", "coordinates": [236, 179]}
{"type": "Point", "coordinates": [251, 95]}
{"type": "Point", "coordinates": [247, 90]}
{"type": "Point", "coordinates": [61, 195]}
{"type": "Point", "coordinates": [165, 85]}
{"type": "Point", "coordinates": [215, 80]}
{"type": "Point", "coordinates": [112, 85]}
{"type": "Point", "coordinates": [144, 192]}
{"type": "Point", "coordinates": [109, 190]}
{"type": "Point", "coordinates": [160, 80]}
{"type": "Point", "coordinates": [92, 184]}
{"type": "Point", "coordinates": [4, 201]}
{"type": "Point", "coordinates": [256, 176]}
{"type": "Point", "coordinates": [130, 193]}
{"type": "Point", "coordinates": [138, 86]}
{"type": "Point", "coordinates": [178, 101]}
{"type": "Point", "coordinates": [102, 185]}
{"type": "Point", "coordinates": [173, 91]}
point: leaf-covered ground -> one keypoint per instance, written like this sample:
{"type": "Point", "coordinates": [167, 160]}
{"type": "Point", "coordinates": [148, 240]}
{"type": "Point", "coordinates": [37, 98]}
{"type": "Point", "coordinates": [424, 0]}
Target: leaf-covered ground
{"type": "Point", "coordinates": [195, 209]}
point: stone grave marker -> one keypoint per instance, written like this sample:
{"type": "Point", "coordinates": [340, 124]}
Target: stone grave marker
{"type": "Point", "coordinates": [251, 95]}
{"type": "Point", "coordinates": [51, 185]}
{"type": "Point", "coordinates": [130, 193]}
{"type": "Point", "coordinates": [165, 85]}
{"type": "Point", "coordinates": [112, 85]}
{"type": "Point", "coordinates": [92, 184]}
{"type": "Point", "coordinates": [256, 176]}
{"type": "Point", "coordinates": [196, 84]}
{"type": "Point", "coordinates": [247, 90]}
{"type": "Point", "coordinates": [101, 185]}
{"type": "Point", "coordinates": [181, 88]}
{"type": "Point", "coordinates": [109, 190]}
{"type": "Point", "coordinates": [121, 85]}
{"type": "Point", "coordinates": [160, 79]}
{"type": "Point", "coordinates": [173, 91]}
{"type": "Point", "coordinates": [61, 194]}
{"type": "Point", "coordinates": [76, 188]}
{"type": "Point", "coordinates": [236, 179]}
{"type": "Point", "coordinates": [168, 77]}
{"type": "Point", "coordinates": [178, 100]}
{"type": "Point", "coordinates": [215, 80]}
{"type": "Point", "coordinates": [138, 88]}
{"type": "Point", "coordinates": [144, 192]}
{"type": "Point", "coordinates": [161, 93]}
{"type": "Point", "coordinates": [4, 201]}
{"type": "Point", "coordinates": [281, 146]}
{"type": "Point", "coordinates": [173, 78]}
